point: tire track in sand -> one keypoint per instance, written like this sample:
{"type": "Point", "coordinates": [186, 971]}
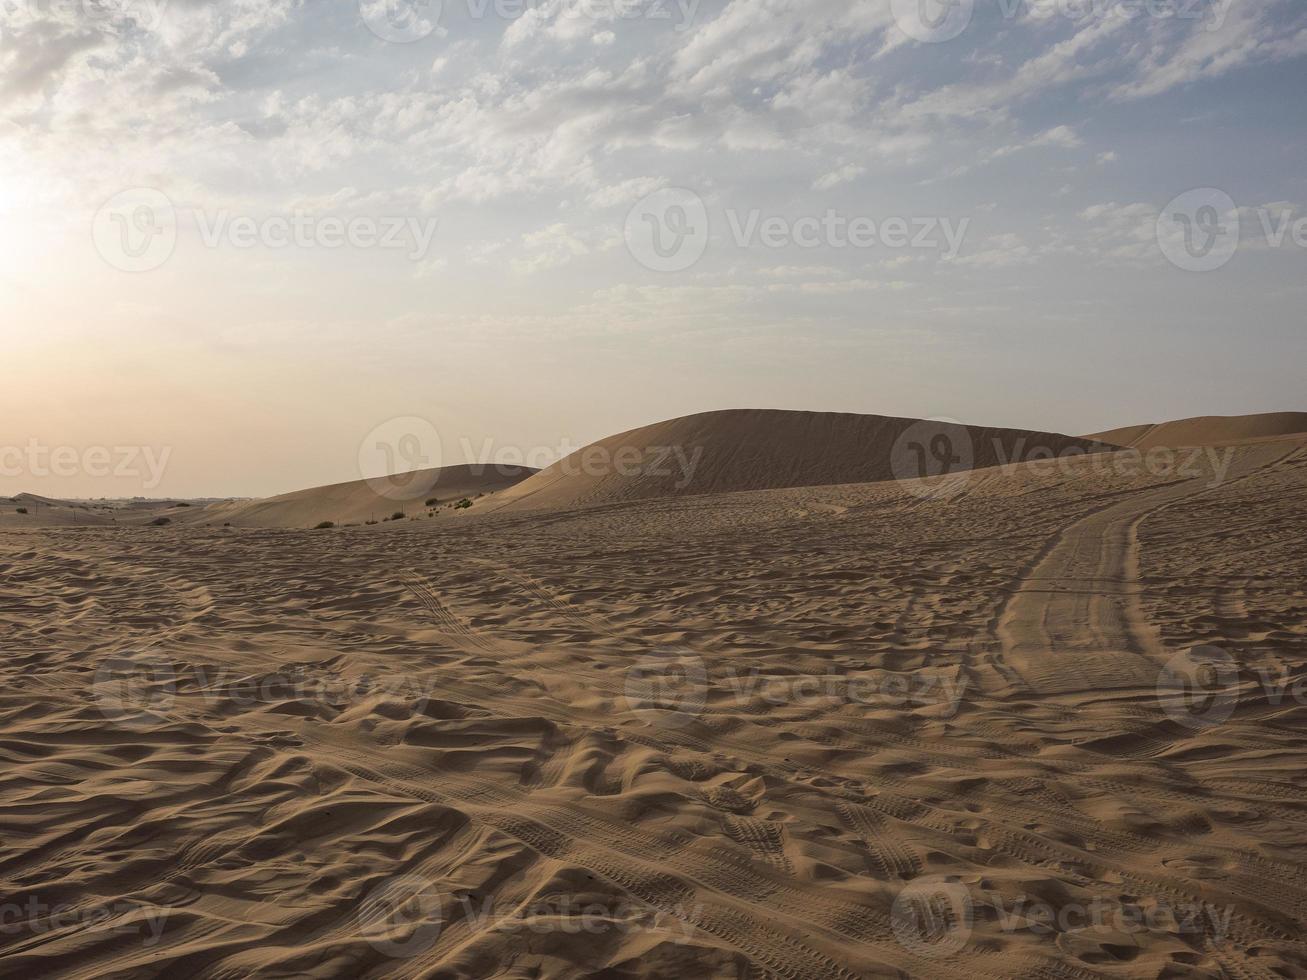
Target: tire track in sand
{"type": "Point", "coordinates": [1074, 620]}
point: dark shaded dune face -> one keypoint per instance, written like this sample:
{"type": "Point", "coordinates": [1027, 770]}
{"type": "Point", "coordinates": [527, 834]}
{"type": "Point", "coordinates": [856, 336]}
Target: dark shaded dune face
{"type": "Point", "coordinates": [761, 449]}
{"type": "Point", "coordinates": [1205, 430]}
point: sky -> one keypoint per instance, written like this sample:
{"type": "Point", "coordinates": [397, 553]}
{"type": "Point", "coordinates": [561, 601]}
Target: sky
{"type": "Point", "coordinates": [253, 241]}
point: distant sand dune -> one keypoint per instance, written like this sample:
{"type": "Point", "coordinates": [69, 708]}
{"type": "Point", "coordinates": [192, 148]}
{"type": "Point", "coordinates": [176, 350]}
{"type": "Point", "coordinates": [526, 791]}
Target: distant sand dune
{"type": "Point", "coordinates": [765, 449]}
{"type": "Point", "coordinates": [1205, 430]}
{"type": "Point", "coordinates": [364, 500]}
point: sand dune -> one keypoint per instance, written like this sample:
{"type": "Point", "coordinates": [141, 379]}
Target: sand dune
{"type": "Point", "coordinates": [1205, 430]}
{"type": "Point", "coordinates": [33, 510]}
{"type": "Point", "coordinates": [359, 501]}
{"type": "Point", "coordinates": [763, 449]}
{"type": "Point", "coordinates": [838, 731]}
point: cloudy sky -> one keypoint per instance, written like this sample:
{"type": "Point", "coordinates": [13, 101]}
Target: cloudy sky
{"type": "Point", "coordinates": [250, 232]}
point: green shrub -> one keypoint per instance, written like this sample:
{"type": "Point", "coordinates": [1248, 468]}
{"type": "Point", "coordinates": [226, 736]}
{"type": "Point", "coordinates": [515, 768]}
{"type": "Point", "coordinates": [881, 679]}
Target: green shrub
{"type": "Point", "coordinates": [463, 504]}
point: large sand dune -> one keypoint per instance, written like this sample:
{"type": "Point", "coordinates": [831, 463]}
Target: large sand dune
{"type": "Point", "coordinates": [359, 501]}
{"type": "Point", "coordinates": [764, 449]}
{"type": "Point", "coordinates": [1205, 430]}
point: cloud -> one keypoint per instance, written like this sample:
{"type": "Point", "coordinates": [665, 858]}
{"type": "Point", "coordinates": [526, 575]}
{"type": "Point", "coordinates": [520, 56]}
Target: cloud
{"type": "Point", "coordinates": [842, 175]}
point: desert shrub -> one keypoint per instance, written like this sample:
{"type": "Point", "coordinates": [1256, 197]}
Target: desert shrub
{"type": "Point", "coordinates": [22, 510]}
{"type": "Point", "coordinates": [183, 504]}
{"type": "Point", "coordinates": [371, 522]}
{"type": "Point", "coordinates": [433, 501]}
{"type": "Point", "coordinates": [397, 516]}
{"type": "Point", "coordinates": [324, 525]}
{"type": "Point", "coordinates": [463, 504]}
{"type": "Point", "coordinates": [161, 521]}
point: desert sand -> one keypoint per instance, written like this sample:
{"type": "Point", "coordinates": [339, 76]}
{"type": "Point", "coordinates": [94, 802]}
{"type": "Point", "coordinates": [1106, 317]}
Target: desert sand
{"type": "Point", "coordinates": [792, 718]}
